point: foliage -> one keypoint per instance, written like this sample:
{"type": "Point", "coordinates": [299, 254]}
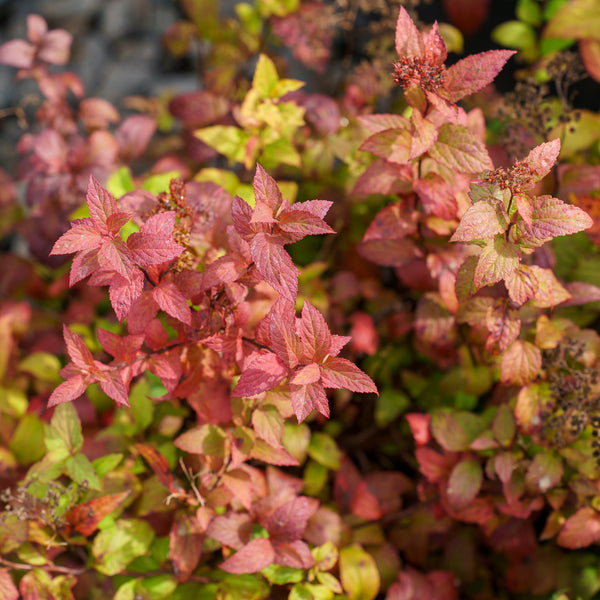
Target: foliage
{"type": "Point", "coordinates": [214, 385]}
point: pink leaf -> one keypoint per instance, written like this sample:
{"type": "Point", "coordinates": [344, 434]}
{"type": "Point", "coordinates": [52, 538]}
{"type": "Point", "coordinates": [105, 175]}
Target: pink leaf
{"type": "Point", "coordinates": [232, 530]}
{"type": "Point", "coordinates": [55, 48]}
{"type": "Point", "coordinates": [408, 38]}
{"type": "Point", "coordinates": [474, 72]}
{"type": "Point", "coordinates": [288, 522]}
{"type": "Point", "coordinates": [79, 353]}
{"type": "Point", "coordinates": [171, 300]}
{"type": "Point", "coordinates": [542, 158]}
{"type": "Point", "coordinates": [264, 373]}
{"type": "Point", "coordinates": [17, 53]}
{"type": "Point", "coordinates": [459, 150]}
{"type": "Point", "coordinates": [298, 223]}
{"type": "Point", "coordinates": [275, 265]}
{"type": "Point", "coordinates": [8, 590]}
{"type": "Point", "coordinates": [113, 386]}
{"type": "Point", "coordinates": [419, 427]}
{"type": "Point", "coordinates": [306, 397]}
{"type": "Point", "coordinates": [114, 255]}
{"type": "Point", "coordinates": [305, 375]}
{"type": "Point", "coordinates": [497, 261]}
{"type": "Point", "coordinates": [294, 554]}
{"type": "Point", "coordinates": [483, 220]}
{"type": "Point", "coordinates": [314, 333]}
{"type": "Point", "coordinates": [580, 530]}
{"type": "Point", "coordinates": [341, 373]}
{"type": "Point", "coordinates": [255, 556]}
{"type": "Point", "coordinates": [68, 391]}
{"type": "Point", "coordinates": [521, 363]}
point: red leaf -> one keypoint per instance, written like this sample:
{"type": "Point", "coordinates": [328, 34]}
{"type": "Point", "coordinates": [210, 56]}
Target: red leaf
{"type": "Point", "coordinates": [266, 189]}
{"type": "Point", "coordinates": [79, 353]}
{"type": "Point", "coordinates": [255, 556]}
{"type": "Point", "coordinates": [275, 265]}
{"type": "Point", "coordinates": [294, 554]}
{"type": "Point", "coordinates": [419, 427]}
{"type": "Point", "coordinates": [232, 530]}
{"type": "Point", "coordinates": [341, 373]}
{"type": "Point", "coordinates": [437, 196]}
{"type": "Point", "coordinates": [306, 397]}
{"type": "Point", "coordinates": [298, 223]}
{"type": "Point", "coordinates": [154, 244]}
{"type": "Point", "coordinates": [288, 522]}
{"type": "Point", "coordinates": [264, 373]}
{"type": "Point", "coordinates": [282, 331]}
{"type": "Point", "coordinates": [158, 463]}
{"type": "Point", "coordinates": [83, 235]}
{"type": "Point", "coordinates": [171, 300]}
{"type": "Point", "coordinates": [474, 72]}
{"type": "Point", "coordinates": [314, 333]}
{"type": "Point", "coordinates": [114, 255]}
{"type": "Point", "coordinates": [365, 504]}
{"type": "Point", "coordinates": [363, 333]}
{"type": "Point", "coordinates": [84, 518]}
{"type": "Point", "coordinates": [123, 292]}
{"type": "Point", "coordinates": [580, 530]}
{"type": "Point", "coordinates": [100, 202]}
{"type": "Point", "coordinates": [185, 545]}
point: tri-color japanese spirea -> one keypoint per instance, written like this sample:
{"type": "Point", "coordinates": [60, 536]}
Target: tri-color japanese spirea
{"type": "Point", "coordinates": [142, 280]}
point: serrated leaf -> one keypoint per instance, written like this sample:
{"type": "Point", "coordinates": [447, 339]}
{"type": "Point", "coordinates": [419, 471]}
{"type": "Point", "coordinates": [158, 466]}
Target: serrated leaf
{"type": "Point", "coordinates": [64, 430]}
{"type": "Point", "coordinates": [483, 220]}
{"type": "Point", "coordinates": [305, 398]}
{"type": "Point", "coordinates": [252, 558]}
{"type": "Point", "coordinates": [542, 158]}
{"type": "Point", "coordinates": [154, 243]}
{"type": "Point", "coordinates": [172, 301]}
{"type": "Point", "coordinates": [275, 265]}
{"type": "Point", "coordinates": [264, 373]}
{"type": "Point", "coordinates": [521, 284]}
{"type": "Point", "coordinates": [497, 261]}
{"type": "Point", "coordinates": [521, 363]}
{"type": "Point", "coordinates": [341, 373]}
{"type": "Point", "coordinates": [474, 72]}
{"type": "Point", "coordinates": [459, 150]}
{"type": "Point", "coordinates": [84, 518]}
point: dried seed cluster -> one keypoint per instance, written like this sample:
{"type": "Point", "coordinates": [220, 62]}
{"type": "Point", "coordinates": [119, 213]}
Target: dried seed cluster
{"type": "Point", "coordinates": [419, 71]}
{"type": "Point", "coordinates": [571, 383]}
{"type": "Point", "coordinates": [519, 176]}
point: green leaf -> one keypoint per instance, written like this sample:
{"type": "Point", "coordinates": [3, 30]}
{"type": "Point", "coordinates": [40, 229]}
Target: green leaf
{"type": "Point", "coordinates": [127, 591]}
{"type": "Point", "coordinates": [80, 470]}
{"type": "Point", "coordinates": [265, 76]}
{"type": "Point", "coordinates": [358, 573]}
{"type": "Point", "coordinates": [13, 402]}
{"type": "Point", "coordinates": [65, 429]}
{"type": "Point", "coordinates": [120, 182]}
{"type": "Point", "coordinates": [315, 477]}
{"type": "Point", "coordinates": [280, 575]}
{"type": "Point", "coordinates": [226, 139]}
{"type": "Point", "coordinates": [159, 587]}
{"type": "Point", "coordinates": [576, 19]}
{"type": "Point", "coordinates": [160, 182]}
{"type": "Point", "coordinates": [280, 152]}
{"type": "Point", "coordinates": [296, 437]}
{"type": "Point", "coordinates": [27, 441]}
{"type": "Point", "coordinates": [116, 547]}
{"type": "Point", "coordinates": [42, 365]}
{"type": "Point", "coordinates": [141, 405]}
{"type": "Point", "coordinates": [105, 464]}
{"type": "Point", "coordinates": [390, 404]}
{"type": "Point", "coordinates": [529, 11]}
{"type": "Point", "coordinates": [504, 426]}
{"type": "Point", "coordinates": [300, 592]}
{"type": "Point", "coordinates": [323, 449]}
{"type": "Point", "coordinates": [515, 34]}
